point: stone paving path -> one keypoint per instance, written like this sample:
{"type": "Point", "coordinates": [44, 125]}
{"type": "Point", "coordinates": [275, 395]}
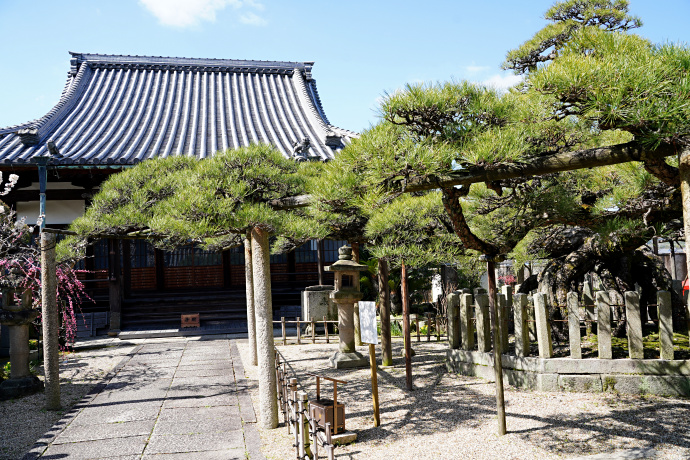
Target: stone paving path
{"type": "Point", "coordinates": [177, 399]}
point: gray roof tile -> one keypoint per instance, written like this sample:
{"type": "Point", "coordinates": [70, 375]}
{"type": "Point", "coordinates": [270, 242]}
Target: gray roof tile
{"type": "Point", "coordinates": [120, 110]}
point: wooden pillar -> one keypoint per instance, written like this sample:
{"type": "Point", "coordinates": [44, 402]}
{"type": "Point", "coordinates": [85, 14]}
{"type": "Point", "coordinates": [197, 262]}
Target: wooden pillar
{"type": "Point", "coordinates": [126, 268]}
{"type": "Point", "coordinates": [227, 268]}
{"type": "Point", "coordinates": [114, 284]}
{"type": "Point", "coordinates": [385, 312]}
{"type": "Point", "coordinates": [319, 260]}
{"type": "Point", "coordinates": [291, 266]}
{"type": "Point", "coordinates": [159, 257]}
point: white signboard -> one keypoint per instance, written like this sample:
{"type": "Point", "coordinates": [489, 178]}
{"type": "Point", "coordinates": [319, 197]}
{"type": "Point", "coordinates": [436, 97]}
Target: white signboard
{"type": "Point", "coordinates": [367, 322]}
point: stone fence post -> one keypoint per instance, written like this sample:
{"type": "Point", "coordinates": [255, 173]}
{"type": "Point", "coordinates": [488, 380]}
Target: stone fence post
{"type": "Point", "coordinates": [604, 325]}
{"type": "Point", "coordinates": [634, 325]}
{"type": "Point", "coordinates": [574, 325]}
{"type": "Point", "coordinates": [541, 316]}
{"type": "Point", "coordinates": [454, 320]}
{"type": "Point", "coordinates": [663, 300]}
{"type": "Point", "coordinates": [521, 325]}
{"type": "Point", "coordinates": [466, 325]}
{"type": "Point", "coordinates": [481, 302]}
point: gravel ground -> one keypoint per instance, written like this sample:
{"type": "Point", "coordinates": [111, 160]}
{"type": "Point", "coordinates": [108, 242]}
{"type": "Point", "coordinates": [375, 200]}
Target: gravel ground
{"type": "Point", "coordinates": [24, 420]}
{"type": "Point", "coordinates": [451, 416]}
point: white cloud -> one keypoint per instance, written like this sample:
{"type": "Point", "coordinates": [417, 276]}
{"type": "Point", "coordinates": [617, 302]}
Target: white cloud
{"type": "Point", "coordinates": [253, 19]}
{"type": "Point", "coordinates": [502, 82]}
{"type": "Point", "coordinates": [474, 69]}
{"type": "Point", "coordinates": [189, 13]}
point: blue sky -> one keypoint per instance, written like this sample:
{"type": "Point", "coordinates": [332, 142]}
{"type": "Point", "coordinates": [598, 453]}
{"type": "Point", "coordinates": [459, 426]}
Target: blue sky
{"type": "Point", "coordinates": [361, 49]}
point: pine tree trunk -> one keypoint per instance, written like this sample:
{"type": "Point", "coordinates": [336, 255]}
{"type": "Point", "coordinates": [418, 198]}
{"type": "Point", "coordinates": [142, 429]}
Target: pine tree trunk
{"type": "Point", "coordinates": [268, 402]}
{"type": "Point", "coordinates": [684, 167]}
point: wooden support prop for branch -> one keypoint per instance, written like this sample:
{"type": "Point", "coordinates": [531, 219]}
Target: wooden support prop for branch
{"type": "Point", "coordinates": [325, 328]}
{"type": "Point", "coordinates": [406, 326]}
{"type": "Point", "coordinates": [374, 383]}
{"type": "Point", "coordinates": [496, 322]}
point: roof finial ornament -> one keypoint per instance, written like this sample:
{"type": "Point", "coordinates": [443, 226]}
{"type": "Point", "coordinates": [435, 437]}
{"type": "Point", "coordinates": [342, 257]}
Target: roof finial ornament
{"type": "Point", "coordinates": [300, 149]}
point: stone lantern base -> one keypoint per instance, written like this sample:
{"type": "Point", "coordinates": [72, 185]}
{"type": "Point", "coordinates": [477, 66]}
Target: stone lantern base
{"type": "Point", "coordinates": [23, 386]}
{"type": "Point", "coordinates": [341, 360]}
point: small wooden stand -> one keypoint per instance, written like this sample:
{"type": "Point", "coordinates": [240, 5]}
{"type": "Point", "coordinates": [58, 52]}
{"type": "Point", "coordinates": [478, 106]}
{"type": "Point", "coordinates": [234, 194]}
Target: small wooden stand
{"type": "Point", "coordinates": [325, 411]}
{"type": "Point", "coordinates": [190, 320]}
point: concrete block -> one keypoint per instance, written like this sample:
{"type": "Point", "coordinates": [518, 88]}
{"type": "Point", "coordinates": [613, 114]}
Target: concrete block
{"type": "Point", "coordinates": [580, 383]}
{"type": "Point", "coordinates": [647, 384]}
{"type": "Point", "coordinates": [317, 304]}
{"type": "Point", "coordinates": [547, 382]}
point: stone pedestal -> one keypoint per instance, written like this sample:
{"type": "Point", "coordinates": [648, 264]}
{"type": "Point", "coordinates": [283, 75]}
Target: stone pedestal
{"type": "Point", "coordinates": [316, 303]}
{"type": "Point", "coordinates": [17, 318]}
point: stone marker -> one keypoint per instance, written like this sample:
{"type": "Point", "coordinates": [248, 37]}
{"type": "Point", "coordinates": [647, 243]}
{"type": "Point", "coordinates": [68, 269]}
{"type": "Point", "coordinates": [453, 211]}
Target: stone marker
{"type": "Point", "coordinates": [663, 300]}
{"type": "Point", "coordinates": [541, 316]}
{"type": "Point", "coordinates": [503, 305]}
{"type": "Point", "coordinates": [574, 325]}
{"type": "Point", "coordinates": [521, 326]}
{"type": "Point", "coordinates": [316, 303]}
{"type": "Point", "coordinates": [466, 325]}
{"type": "Point", "coordinates": [454, 320]}
{"type": "Point", "coordinates": [588, 302]}
{"type": "Point", "coordinates": [604, 325]}
{"type": "Point", "coordinates": [481, 302]}
{"type": "Point", "coordinates": [634, 325]}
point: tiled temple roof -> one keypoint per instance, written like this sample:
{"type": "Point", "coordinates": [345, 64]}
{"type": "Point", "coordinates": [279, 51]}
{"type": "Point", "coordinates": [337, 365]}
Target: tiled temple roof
{"type": "Point", "coordinates": [119, 110]}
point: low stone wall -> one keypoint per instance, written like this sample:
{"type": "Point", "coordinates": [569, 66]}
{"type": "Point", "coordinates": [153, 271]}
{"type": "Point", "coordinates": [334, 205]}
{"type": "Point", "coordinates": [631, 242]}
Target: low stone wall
{"type": "Point", "coordinates": [630, 376]}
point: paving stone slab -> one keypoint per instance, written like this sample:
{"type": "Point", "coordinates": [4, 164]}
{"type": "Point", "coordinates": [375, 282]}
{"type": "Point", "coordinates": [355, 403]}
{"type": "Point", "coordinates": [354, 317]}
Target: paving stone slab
{"type": "Point", "coordinates": [208, 425]}
{"type": "Point", "coordinates": [96, 431]}
{"type": "Point", "coordinates": [191, 372]}
{"type": "Point", "coordinates": [198, 413]}
{"type": "Point", "coordinates": [117, 413]}
{"type": "Point", "coordinates": [200, 401]}
{"type": "Point", "coordinates": [104, 448]}
{"type": "Point", "coordinates": [233, 454]}
{"type": "Point", "coordinates": [171, 444]}
{"type": "Point", "coordinates": [252, 441]}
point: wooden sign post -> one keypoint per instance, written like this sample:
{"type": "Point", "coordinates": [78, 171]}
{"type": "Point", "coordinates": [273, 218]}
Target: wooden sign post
{"type": "Point", "coordinates": [367, 322]}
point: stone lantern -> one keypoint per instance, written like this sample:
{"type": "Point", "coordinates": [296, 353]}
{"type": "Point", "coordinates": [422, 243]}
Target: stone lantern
{"type": "Point", "coordinates": [17, 316]}
{"type": "Point", "coordinates": [345, 295]}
